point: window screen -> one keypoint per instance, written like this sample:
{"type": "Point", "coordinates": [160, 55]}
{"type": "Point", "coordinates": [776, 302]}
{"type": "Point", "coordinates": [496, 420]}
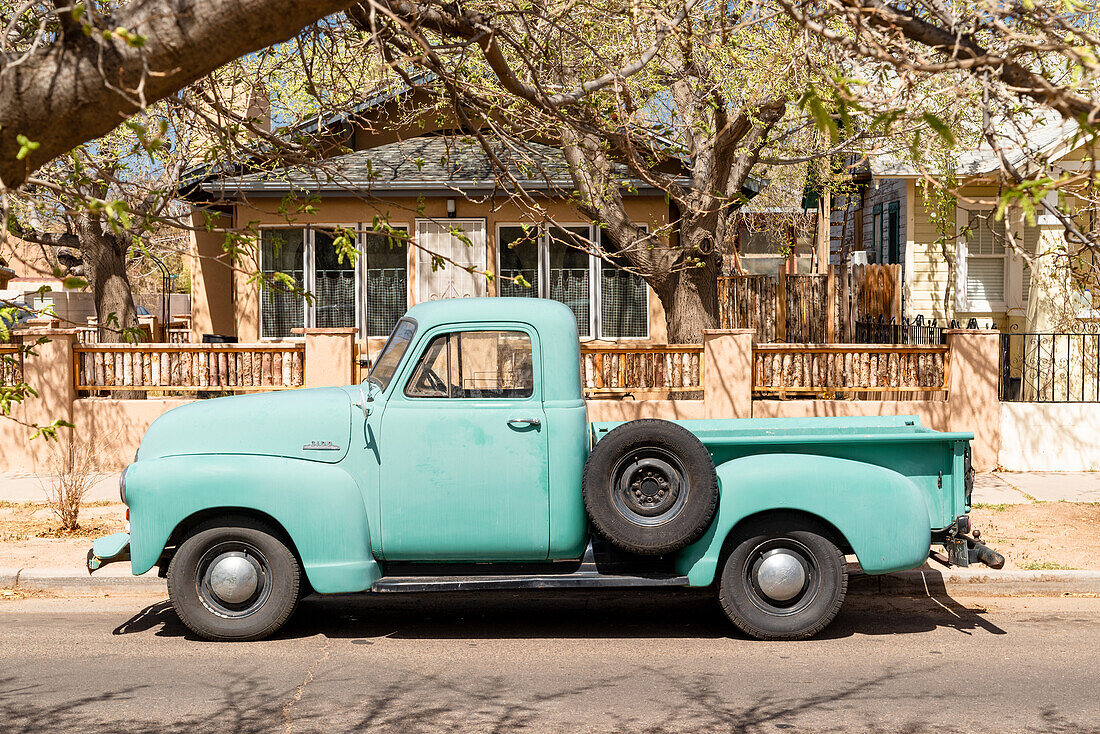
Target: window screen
{"type": "Point", "coordinates": [334, 285]}
{"type": "Point", "coordinates": [452, 279]}
{"type": "Point", "coordinates": [624, 301]}
{"type": "Point", "coordinates": [385, 282]}
{"type": "Point", "coordinates": [570, 275]}
{"type": "Point", "coordinates": [985, 259]}
{"type": "Point", "coordinates": [519, 256]}
{"type": "Point", "coordinates": [474, 364]}
{"type": "Point", "coordinates": [281, 311]}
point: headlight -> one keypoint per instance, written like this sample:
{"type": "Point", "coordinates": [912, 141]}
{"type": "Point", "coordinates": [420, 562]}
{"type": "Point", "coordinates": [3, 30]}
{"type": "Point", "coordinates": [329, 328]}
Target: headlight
{"type": "Point", "coordinates": [122, 485]}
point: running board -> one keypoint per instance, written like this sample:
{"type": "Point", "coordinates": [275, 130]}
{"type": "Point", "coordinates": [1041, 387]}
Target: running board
{"type": "Point", "coordinates": [393, 584]}
{"type": "Point", "coordinates": [585, 576]}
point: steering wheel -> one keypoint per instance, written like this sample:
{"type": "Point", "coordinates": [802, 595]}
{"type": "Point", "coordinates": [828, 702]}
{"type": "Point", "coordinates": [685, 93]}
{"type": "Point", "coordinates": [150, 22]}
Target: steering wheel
{"type": "Point", "coordinates": [430, 380]}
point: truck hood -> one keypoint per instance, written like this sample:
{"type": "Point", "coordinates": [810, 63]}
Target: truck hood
{"type": "Point", "coordinates": [313, 424]}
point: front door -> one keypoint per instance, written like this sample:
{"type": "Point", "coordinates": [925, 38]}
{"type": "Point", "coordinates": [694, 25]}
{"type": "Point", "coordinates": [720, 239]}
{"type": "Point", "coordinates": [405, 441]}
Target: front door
{"type": "Point", "coordinates": [464, 473]}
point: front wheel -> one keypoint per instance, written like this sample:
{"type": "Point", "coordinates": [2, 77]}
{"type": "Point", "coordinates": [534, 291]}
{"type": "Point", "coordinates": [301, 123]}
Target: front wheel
{"type": "Point", "coordinates": [233, 579]}
{"type": "Point", "coordinates": [783, 580]}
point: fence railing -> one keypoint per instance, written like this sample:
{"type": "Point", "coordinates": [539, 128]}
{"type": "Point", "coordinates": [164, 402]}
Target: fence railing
{"type": "Point", "coordinates": [1050, 367]}
{"type": "Point", "coordinates": [11, 365]}
{"type": "Point", "coordinates": [827, 369]}
{"type": "Point", "coordinates": [189, 367]}
{"type": "Point", "coordinates": [611, 370]}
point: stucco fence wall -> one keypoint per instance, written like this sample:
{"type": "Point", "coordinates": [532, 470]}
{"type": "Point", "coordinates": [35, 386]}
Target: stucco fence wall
{"type": "Point", "coordinates": [1050, 437]}
{"type": "Point", "coordinates": [117, 425]}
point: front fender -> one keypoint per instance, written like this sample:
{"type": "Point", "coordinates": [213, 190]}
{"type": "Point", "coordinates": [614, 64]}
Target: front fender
{"type": "Point", "coordinates": [881, 514]}
{"type": "Point", "coordinates": [318, 505]}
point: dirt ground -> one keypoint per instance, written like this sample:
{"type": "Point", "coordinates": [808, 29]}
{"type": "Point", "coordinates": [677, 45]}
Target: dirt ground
{"type": "Point", "coordinates": [1042, 536]}
{"type": "Point", "coordinates": [25, 520]}
{"type": "Point", "coordinates": [1039, 536]}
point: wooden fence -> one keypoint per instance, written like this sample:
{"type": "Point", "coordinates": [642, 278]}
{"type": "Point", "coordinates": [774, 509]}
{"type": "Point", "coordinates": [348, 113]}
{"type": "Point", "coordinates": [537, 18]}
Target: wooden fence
{"type": "Point", "coordinates": [189, 367]}
{"type": "Point", "coordinates": [610, 370]}
{"type": "Point", "coordinates": [11, 364]}
{"type": "Point", "coordinates": [829, 369]}
{"type": "Point", "coordinates": [812, 308]}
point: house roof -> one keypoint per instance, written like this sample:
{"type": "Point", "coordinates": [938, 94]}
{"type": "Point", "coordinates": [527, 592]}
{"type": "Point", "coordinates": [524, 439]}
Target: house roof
{"type": "Point", "coordinates": [1045, 135]}
{"type": "Point", "coordinates": [433, 163]}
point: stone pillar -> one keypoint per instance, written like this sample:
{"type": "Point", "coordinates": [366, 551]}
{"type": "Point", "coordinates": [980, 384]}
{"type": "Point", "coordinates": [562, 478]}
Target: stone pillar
{"type": "Point", "coordinates": [50, 371]}
{"type": "Point", "coordinates": [329, 355]}
{"type": "Point", "coordinates": [973, 402]}
{"type": "Point", "coordinates": [727, 372]}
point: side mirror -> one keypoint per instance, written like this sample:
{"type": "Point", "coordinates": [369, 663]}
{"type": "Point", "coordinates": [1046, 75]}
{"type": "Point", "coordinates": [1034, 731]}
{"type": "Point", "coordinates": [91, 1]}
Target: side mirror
{"type": "Point", "coordinates": [366, 397]}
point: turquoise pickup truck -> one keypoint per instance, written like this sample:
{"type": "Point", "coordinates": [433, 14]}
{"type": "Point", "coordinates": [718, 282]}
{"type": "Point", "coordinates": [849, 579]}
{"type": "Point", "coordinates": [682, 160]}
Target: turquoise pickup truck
{"type": "Point", "coordinates": [466, 462]}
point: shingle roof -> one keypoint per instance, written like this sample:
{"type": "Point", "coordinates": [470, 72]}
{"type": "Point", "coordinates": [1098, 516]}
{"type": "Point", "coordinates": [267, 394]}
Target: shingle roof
{"type": "Point", "coordinates": [419, 164]}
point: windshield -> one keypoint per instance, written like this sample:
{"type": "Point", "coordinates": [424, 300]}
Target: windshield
{"type": "Point", "coordinates": [391, 354]}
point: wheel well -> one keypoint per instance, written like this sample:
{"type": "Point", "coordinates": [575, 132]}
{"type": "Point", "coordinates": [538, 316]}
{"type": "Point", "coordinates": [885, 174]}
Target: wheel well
{"type": "Point", "coordinates": [189, 523]}
{"type": "Point", "coordinates": [793, 516]}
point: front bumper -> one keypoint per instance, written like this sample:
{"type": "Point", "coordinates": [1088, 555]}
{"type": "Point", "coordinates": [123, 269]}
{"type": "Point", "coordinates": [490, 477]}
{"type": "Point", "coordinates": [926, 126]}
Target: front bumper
{"type": "Point", "coordinates": [108, 549]}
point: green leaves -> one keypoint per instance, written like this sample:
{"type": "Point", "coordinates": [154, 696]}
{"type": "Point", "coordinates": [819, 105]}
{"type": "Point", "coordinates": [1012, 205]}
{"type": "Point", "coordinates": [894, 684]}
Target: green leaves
{"type": "Point", "coordinates": [811, 102]}
{"type": "Point", "coordinates": [25, 146]}
{"type": "Point", "coordinates": [940, 128]}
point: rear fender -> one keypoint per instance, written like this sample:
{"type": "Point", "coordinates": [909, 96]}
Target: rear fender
{"type": "Point", "coordinates": [880, 513]}
{"type": "Point", "coordinates": [319, 506]}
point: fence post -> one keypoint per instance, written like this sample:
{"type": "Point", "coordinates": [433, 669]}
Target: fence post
{"type": "Point", "coordinates": [972, 395]}
{"type": "Point", "coordinates": [727, 356]}
{"type": "Point", "coordinates": [781, 304]}
{"type": "Point", "coordinates": [830, 305]}
{"type": "Point", "coordinates": [329, 356]}
{"type": "Point", "coordinates": [50, 371]}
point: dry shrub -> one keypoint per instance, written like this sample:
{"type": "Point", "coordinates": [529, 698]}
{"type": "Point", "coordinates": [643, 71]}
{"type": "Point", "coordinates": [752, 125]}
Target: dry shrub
{"type": "Point", "coordinates": [74, 468]}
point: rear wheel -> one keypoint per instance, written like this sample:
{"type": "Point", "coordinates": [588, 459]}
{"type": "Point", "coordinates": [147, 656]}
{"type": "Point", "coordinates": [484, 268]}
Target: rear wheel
{"type": "Point", "coordinates": [783, 580]}
{"type": "Point", "coordinates": [234, 580]}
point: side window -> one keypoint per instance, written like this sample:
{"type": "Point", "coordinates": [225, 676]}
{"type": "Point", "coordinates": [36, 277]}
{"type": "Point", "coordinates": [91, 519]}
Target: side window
{"type": "Point", "coordinates": [474, 364]}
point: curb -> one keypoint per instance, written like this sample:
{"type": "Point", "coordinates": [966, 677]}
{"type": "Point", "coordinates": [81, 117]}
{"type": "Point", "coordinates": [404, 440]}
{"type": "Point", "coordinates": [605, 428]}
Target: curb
{"type": "Point", "coordinates": [64, 580]}
{"type": "Point", "coordinates": [977, 582]}
{"type": "Point", "coordinates": [965, 582]}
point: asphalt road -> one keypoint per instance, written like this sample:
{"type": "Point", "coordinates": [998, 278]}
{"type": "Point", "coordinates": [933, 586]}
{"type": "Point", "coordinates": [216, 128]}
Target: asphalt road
{"type": "Point", "coordinates": [613, 662]}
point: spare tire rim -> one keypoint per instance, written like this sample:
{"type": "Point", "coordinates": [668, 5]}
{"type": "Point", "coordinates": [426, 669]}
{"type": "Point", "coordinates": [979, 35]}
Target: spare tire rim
{"type": "Point", "coordinates": [649, 486]}
{"type": "Point", "coordinates": [233, 579]}
{"type": "Point", "coordinates": [781, 576]}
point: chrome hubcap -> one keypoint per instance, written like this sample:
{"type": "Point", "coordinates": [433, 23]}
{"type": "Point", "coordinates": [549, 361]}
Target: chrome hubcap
{"type": "Point", "coordinates": [780, 576]}
{"type": "Point", "coordinates": [233, 578]}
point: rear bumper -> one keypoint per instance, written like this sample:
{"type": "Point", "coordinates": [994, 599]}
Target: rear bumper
{"type": "Point", "coordinates": [109, 549]}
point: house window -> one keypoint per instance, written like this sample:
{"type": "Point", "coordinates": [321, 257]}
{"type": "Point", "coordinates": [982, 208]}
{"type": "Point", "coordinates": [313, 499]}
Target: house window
{"type": "Point", "coordinates": [281, 309]}
{"type": "Point", "coordinates": [983, 271]}
{"type": "Point", "coordinates": [607, 300]}
{"type": "Point", "coordinates": [385, 266]}
{"type": "Point", "coordinates": [309, 257]}
{"type": "Point", "coordinates": [462, 274]}
{"type": "Point", "coordinates": [624, 301]}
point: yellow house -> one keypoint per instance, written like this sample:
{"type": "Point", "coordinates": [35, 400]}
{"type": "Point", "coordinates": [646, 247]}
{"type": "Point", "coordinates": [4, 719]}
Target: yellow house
{"type": "Point", "coordinates": [966, 266]}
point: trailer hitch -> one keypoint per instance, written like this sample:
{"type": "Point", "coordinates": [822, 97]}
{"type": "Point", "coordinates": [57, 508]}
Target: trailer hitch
{"type": "Point", "coordinates": [963, 550]}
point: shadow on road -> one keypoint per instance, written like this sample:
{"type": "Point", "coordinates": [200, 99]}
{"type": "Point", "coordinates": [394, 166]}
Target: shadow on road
{"type": "Point", "coordinates": [623, 614]}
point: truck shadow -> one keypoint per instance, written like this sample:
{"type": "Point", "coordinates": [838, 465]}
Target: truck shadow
{"type": "Point", "coordinates": [597, 614]}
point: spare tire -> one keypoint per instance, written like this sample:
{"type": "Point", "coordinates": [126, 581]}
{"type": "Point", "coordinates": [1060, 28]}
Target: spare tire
{"type": "Point", "coordinates": [650, 487]}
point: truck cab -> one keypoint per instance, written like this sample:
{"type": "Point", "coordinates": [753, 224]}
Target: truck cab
{"type": "Point", "coordinates": [466, 461]}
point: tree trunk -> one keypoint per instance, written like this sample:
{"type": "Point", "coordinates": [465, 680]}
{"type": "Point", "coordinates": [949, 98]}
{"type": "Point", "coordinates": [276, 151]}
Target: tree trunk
{"type": "Point", "coordinates": [690, 300]}
{"type": "Point", "coordinates": [104, 258]}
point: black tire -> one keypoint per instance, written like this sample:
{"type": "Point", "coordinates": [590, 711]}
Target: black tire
{"type": "Point", "coordinates": [650, 487]}
{"type": "Point", "coordinates": [192, 581]}
{"type": "Point", "coordinates": [798, 617]}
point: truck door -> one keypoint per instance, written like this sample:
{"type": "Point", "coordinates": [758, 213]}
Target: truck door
{"type": "Point", "coordinates": [464, 470]}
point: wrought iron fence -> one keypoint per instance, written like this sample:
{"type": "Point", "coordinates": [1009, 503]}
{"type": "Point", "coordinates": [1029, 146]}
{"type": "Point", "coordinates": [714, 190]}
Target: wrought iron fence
{"type": "Point", "coordinates": [915, 331]}
{"type": "Point", "coordinates": [1051, 367]}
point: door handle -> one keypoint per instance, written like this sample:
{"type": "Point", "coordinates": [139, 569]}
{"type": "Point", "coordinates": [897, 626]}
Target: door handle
{"type": "Point", "coordinates": [524, 422]}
